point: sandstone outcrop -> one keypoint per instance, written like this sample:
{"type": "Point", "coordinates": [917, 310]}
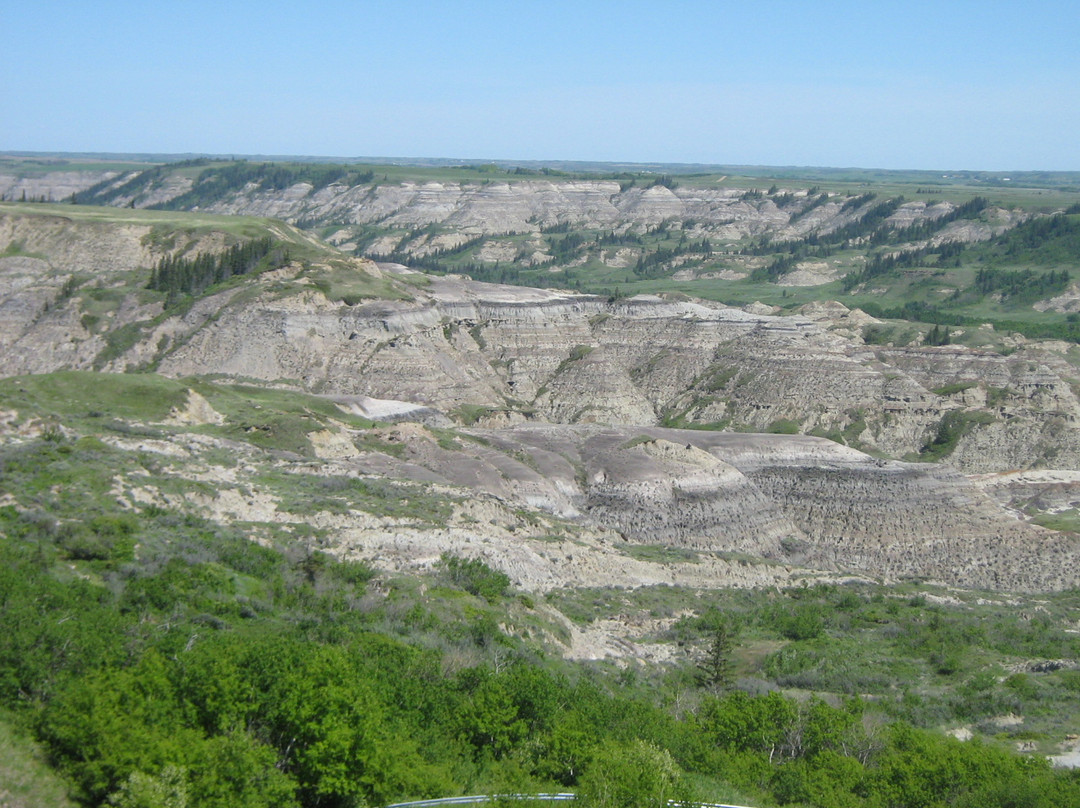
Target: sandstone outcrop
{"type": "Point", "coordinates": [494, 207]}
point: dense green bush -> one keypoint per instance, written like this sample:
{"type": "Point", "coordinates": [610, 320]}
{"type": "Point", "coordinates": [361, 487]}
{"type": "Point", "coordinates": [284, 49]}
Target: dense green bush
{"type": "Point", "coordinates": [474, 576]}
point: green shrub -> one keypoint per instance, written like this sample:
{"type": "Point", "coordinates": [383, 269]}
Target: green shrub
{"type": "Point", "coordinates": [474, 576]}
{"type": "Point", "coordinates": [800, 622]}
{"type": "Point", "coordinates": [784, 426]}
{"type": "Point", "coordinates": [1070, 680]}
{"type": "Point", "coordinates": [631, 775]}
{"type": "Point", "coordinates": [877, 334]}
{"type": "Point", "coordinates": [952, 427]}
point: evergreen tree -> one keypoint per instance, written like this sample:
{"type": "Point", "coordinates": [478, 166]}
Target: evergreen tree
{"type": "Point", "coordinates": [717, 670]}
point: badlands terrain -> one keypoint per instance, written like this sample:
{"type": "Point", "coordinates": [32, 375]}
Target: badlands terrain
{"type": "Point", "coordinates": [627, 420]}
{"type": "Point", "coordinates": [661, 453]}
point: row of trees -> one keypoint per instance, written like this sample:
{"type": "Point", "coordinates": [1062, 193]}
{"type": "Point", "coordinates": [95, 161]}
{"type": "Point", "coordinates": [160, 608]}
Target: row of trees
{"type": "Point", "coordinates": [918, 231]}
{"type": "Point", "coordinates": [131, 185]}
{"type": "Point", "coordinates": [178, 274]}
{"type": "Point", "coordinates": [938, 336]}
{"type": "Point", "coordinates": [215, 182]}
{"type": "Point", "coordinates": [869, 226]}
{"type": "Point", "coordinates": [652, 263]}
{"type": "Point", "coordinates": [921, 312]}
{"type": "Point", "coordinates": [942, 255]}
{"type": "Point", "coordinates": [814, 201]}
{"type": "Point", "coordinates": [1021, 283]}
{"type": "Point", "coordinates": [656, 263]}
{"type": "Point", "coordinates": [1044, 240]}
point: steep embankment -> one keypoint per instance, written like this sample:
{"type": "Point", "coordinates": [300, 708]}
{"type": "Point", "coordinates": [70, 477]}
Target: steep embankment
{"type": "Point", "coordinates": [484, 351]}
{"type": "Point", "coordinates": [795, 499]}
{"type": "Point", "coordinates": [720, 498]}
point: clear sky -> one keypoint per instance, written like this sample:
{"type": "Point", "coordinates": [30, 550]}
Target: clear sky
{"type": "Point", "coordinates": [937, 85]}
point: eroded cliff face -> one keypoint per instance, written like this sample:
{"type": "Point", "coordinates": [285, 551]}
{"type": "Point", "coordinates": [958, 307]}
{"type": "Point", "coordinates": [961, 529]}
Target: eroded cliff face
{"type": "Point", "coordinates": [798, 500]}
{"type": "Point", "coordinates": [489, 352]}
{"type": "Point", "coordinates": [500, 207]}
{"type": "Point", "coordinates": [490, 207]}
{"type": "Point", "coordinates": [495, 208]}
{"type": "Point", "coordinates": [504, 354]}
{"type": "Point", "coordinates": [792, 502]}
{"type": "Point", "coordinates": [51, 186]}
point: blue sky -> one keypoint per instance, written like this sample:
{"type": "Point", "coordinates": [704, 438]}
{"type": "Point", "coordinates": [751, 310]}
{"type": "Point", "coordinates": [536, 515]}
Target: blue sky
{"type": "Point", "coordinates": [944, 85]}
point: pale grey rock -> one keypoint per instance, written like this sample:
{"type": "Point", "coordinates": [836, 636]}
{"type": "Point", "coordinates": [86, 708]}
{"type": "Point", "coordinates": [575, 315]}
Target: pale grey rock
{"type": "Point", "coordinates": [53, 186]}
{"type": "Point", "coordinates": [552, 355]}
{"type": "Point", "coordinates": [795, 500]}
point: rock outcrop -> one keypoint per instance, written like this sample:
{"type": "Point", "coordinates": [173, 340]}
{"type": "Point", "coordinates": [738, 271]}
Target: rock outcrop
{"type": "Point", "coordinates": [70, 298]}
{"type": "Point", "coordinates": [498, 207]}
{"type": "Point", "coordinates": [794, 501]}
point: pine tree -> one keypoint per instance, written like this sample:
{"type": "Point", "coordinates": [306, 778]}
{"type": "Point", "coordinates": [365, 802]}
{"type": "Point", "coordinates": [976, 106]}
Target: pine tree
{"type": "Point", "coordinates": [717, 670]}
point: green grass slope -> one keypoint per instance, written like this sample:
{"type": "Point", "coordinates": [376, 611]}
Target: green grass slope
{"type": "Point", "coordinates": [26, 780]}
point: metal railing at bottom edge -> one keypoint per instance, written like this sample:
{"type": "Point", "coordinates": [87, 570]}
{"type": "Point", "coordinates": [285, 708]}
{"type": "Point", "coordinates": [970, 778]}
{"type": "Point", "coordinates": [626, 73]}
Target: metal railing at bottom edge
{"type": "Point", "coordinates": [478, 798]}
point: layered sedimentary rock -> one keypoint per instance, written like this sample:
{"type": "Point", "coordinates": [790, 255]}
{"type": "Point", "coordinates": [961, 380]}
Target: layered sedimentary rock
{"type": "Point", "coordinates": [483, 351]}
{"type": "Point", "coordinates": [792, 500]}
{"type": "Point", "coordinates": [499, 207]}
